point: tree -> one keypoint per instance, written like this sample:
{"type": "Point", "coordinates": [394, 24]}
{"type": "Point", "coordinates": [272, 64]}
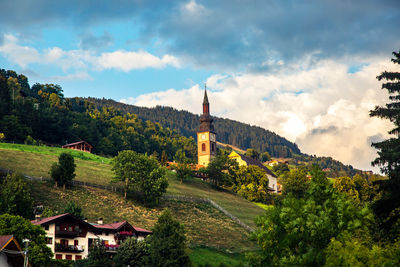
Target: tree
{"type": "Point", "coordinates": [265, 157]}
{"type": "Point", "coordinates": [39, 253]}
{"type": "Point", "coordinates": [252, 183]}
{"type": "Point", "coordinates": [15, 196]}
{"type": "Point", "coordinates": [297, 231]}
{"type": "Point", "coordinates": [295, 182]}
{"type": "Point", "coordinates": [347, 186]}
{"type": "Point", "coordinates": [73, 208]}
{"type": "Point", "coordinates": [142, 174]}
{"type": "Point", "coordinates": [164, 158]}
{"type": "Point", "coordinates": [168, 242]}
{"type": "Point", "coordinates": [132, 253]}
{"type": "Point", "coordinates": [97, 256]}
{"type": "Point", "coordinates": [253, 153]}
{"type": "Point", "coordinates": [221, 170]}
{"type": "Point", "coordinates": [387, 208]}
{"type": "Point", "coordinates": [64, 171]}
{"type": "Point", "coordinates": [280, 169]}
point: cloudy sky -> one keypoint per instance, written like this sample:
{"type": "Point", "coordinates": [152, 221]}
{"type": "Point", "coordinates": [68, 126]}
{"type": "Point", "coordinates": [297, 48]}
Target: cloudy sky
{"type": "Point", "coordinates": [303, 69]}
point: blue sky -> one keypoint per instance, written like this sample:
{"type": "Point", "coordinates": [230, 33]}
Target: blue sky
{"type": "Point", "coordinates": [304, 69]}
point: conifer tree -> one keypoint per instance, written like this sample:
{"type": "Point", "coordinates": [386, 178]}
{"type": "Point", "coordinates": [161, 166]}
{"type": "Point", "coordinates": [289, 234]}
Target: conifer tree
{"type": "Point", "coordinates": [387, 208]}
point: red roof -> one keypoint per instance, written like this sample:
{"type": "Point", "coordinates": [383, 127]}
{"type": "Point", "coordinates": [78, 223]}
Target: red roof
{"type": "Point", "coordinates": [141, 230]}
{"type": "Point", "coordinates": [112, 226]}
{"type": "Point", "coordinates": [49, 219]}
{"type": "Point", "coordinates": [4, 240]}
{"type": "Point", "coordinates": [118, 225]}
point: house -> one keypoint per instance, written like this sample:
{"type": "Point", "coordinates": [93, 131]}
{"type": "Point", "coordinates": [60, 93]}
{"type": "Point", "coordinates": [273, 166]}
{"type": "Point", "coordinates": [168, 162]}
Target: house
{"type": "Point", "coordinates": [70, 238]}
{"type": "Point", "coordinates": [81, 146]}
{"type": "Point", "coordinates": [11, 253]}
{"type": "Point", "coordinates": [244, 160]}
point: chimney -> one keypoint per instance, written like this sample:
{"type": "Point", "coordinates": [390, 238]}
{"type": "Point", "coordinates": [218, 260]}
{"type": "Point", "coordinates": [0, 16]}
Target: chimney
{"type": "Point", "coordinates": [100, 221]}
{"type": "Point", "coordinates": [38, 217]}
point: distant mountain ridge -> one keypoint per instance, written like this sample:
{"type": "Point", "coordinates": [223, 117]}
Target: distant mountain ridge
{"type": "Point", "coordinates": [228, 131]}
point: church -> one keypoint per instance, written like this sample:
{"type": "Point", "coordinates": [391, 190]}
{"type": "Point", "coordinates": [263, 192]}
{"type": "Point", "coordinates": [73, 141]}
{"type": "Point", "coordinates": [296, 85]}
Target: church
{"type": "Point", "coordinates": [207, 147]}
{"type": "Point", "coordinates": [206, 136]}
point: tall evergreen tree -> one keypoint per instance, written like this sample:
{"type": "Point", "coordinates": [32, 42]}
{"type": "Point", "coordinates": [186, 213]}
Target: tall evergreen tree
{"type": "Point", "coordinates": [387, 208]}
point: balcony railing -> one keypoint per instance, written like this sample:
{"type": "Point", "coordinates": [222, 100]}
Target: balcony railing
{"type": "Point", "coordinates": [64, 233]}
{"type": "Point", "coordinates": [111, 248]}
{"type": "Point", "coordinates": [69, 248]}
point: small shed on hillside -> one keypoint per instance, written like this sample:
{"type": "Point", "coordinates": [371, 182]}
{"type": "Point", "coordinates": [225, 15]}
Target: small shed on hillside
{"type": "Point", "coordinates": [81, 146]}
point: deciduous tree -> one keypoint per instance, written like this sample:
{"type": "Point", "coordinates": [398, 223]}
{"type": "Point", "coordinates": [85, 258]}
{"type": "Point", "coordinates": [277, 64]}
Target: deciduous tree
{"type": "Point", "coordinates": [141, 173]}
{"type": "Point", "coordinates": [39, 253]}
{"type": "Point", "coordinates": [15, 196]}
{"type": "Point", "coordinates": [168, 243]}
{"type": "Point", "coordinates": [64, 171]}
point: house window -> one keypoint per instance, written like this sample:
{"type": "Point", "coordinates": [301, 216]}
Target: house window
{"type": "Point", "coordinates": [68, 257]}
{"type": "Point", "coordinates": [59, 256]}
{"type": "Point", "coordinates": [213, 147]}
{"type": "Point", "coordinates": [203, 147]}
{"type": "Point", "coordinates": [75, 242]}
{"type": "Point", "coordinates": [70, 228]}
{"type": "Point", "coordinates": [78, 257]}
{"type": "Point", "coordinates": [49, 240]}
{"type": "Point", "coordinates": [106, 233]}
{"type": "Point", "coordinates": [57, 228]}
{"type": "Point", "coordinates": [76, 228]}
{"type": "Point", "coordinates": [46, 227]}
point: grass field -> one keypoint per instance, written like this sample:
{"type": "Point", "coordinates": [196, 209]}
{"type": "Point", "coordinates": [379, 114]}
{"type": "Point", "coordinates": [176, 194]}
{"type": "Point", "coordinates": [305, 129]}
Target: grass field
{"type": "Point", "coordinates": [204, 225]}
{"type": "Point", "coordinates": [214, 257]}
{"type": "Point", "coordinates": [36, 161]}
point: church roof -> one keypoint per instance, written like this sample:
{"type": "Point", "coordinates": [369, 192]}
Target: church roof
{"type": "Point", "coordinates": [205, 100]}
{"type": "Point", "coordinates": [251, 161]}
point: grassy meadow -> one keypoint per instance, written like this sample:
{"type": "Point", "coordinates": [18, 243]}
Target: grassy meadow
{"type": "Point", "coordinates": [36, 161]}
{"type": "Point", "coordinates": [204, 225]}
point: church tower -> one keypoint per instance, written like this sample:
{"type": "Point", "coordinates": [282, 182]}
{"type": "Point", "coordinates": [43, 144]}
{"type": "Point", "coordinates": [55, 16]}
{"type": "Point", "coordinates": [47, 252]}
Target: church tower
{"type": "Point", "coordinates": [206, 137]}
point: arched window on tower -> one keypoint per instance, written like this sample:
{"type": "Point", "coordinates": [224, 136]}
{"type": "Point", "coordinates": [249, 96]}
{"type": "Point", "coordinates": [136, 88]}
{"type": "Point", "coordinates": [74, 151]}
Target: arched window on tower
{"type": "Point", "coordinates": [203, 147]}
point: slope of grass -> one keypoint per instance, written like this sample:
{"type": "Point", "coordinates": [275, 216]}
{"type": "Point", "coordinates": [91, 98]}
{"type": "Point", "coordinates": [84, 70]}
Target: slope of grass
{"type": "Point", "coordinates": [204, 225]}
{"type": "Point", "coordinates": [38, 164]}
{"type": "Point", "coordinates": [54, 151]}
{"type": "Point", "coordinates": [214, 257]}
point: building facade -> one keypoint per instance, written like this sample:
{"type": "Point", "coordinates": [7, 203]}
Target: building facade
{"type": "Point", "coordinates": [70, 238]}
{"type": "Point", "coordinates": [206, 136]}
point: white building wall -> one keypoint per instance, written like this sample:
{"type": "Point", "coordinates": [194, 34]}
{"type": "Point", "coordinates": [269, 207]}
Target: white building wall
{"type": "Point", "coordinates": [273, 183]}
{"type": "Point", "coordinates": [3, 260]}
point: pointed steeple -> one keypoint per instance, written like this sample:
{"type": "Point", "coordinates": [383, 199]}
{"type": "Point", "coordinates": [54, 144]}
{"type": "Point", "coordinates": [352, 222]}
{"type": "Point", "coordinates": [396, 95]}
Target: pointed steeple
{"type": "Point", "coordinates": [205, 100]}
{"type": "Point", "coordinates": [206, 105]}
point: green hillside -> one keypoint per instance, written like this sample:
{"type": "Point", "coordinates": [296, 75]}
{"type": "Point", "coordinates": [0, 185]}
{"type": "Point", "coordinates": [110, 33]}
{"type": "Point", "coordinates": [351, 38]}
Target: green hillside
{"type": "Point", "coordinates": [36, 161]}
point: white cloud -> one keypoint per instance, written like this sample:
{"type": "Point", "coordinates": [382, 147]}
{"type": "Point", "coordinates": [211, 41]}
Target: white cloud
{"type": "Point", "coordinates": [127, 61]}
{"type": "Point", "coordinates": [82, 59]}
{"type": "Point", "coordinates": [21, 55]}
{"type": "Point", "coordinates": [323, 109]}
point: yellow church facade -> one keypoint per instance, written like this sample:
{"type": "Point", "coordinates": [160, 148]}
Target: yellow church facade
{"type": "Point", "coordinates": [206, 136]}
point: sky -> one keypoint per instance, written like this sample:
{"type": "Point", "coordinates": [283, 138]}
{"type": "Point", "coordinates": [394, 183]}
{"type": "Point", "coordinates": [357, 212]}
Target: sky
{"type": "Point", "coordinates": [303, 69]}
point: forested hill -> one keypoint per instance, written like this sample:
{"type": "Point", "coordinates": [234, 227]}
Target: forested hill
{"type": "Point", "coordinates": [229, 131]}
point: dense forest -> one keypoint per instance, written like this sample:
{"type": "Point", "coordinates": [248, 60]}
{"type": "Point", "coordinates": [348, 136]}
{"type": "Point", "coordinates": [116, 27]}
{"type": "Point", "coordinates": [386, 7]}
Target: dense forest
{"type": "Point", "coordinates": [229, 131]}
{"type": "Point", "coordinates": [41, 114]}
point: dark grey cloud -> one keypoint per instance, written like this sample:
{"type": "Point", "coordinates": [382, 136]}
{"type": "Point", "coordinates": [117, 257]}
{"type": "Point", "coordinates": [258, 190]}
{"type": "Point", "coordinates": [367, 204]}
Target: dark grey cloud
{"type": "Point", "coordinates": [375, 139]}
{"type": "Point", "coordinates": [318, 131]}
{"type": "Point", "coordinates": [234, 34]}
{"type": "Point", "coordinates": [90, 41]}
